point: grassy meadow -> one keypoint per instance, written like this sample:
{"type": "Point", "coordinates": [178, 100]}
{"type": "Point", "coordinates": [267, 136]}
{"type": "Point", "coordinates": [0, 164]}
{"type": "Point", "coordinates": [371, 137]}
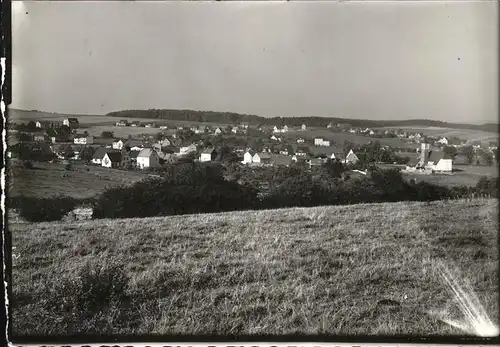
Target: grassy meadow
{"type": "Point", "coordinates": [322, 270]}
{"type": "Point", "coordinates": [81, 181]}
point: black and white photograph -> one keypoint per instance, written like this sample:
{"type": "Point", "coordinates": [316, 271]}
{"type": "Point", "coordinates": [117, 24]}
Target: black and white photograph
{"type": "Point", "coordinates": [253, 168]}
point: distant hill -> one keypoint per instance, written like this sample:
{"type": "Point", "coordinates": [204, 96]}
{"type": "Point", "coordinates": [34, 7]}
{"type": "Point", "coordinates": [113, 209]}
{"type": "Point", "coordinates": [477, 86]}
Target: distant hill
{"type": "Point", "coordinates": [231, 117]}
{"type": "Point", "coordinates": [235, 118]}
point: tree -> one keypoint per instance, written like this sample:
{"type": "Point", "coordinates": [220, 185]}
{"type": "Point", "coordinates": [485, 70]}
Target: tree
{"type": "Point", "coordinates": [87, 153]}
{"type": "Point", "coordinates": [86, 133]}
{"type": "Point", "coordinates": [158, 136]}
{"type": "Point", "coordinates": [68, 152]}
{"type": "Point", "coordinates": [107, 134]}
{"type": "Point", "coordinates": [487, 157]}
{"type": "Point", "coordinates": [468, 151]}
{"type": "Point", "coordinates": [450, 150]}
{"type": "Point", "coordinates": [23, 137]}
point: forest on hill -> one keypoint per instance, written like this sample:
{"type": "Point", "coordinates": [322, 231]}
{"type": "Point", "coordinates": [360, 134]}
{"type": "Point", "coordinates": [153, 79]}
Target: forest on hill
{"type": "Point", "coordinates": [232, 118]}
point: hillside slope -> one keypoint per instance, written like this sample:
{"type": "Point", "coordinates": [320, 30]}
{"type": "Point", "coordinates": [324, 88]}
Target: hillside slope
{"type": "Point", "coordinates": [316, 270]}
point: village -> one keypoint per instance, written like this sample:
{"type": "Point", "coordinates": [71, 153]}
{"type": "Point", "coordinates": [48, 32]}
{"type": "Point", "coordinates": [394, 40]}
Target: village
{"type": "Point", "coordinates": [259, 145]}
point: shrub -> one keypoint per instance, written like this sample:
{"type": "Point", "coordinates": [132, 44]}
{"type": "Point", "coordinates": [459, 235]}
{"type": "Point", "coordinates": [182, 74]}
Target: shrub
{"type": "Point", "coordinates": [35, 209]}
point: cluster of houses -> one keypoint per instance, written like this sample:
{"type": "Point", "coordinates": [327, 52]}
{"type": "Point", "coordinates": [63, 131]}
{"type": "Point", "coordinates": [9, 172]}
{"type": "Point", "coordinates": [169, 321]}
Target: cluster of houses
{"type": "Point", "coordinates": [430, 161]}
{"type": "Point", "coordinates": [266, 158]}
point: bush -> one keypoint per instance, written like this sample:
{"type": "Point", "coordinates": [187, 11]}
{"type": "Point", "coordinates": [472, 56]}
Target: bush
{"type": "Point", "coordinates": [35, 209]}
{"type": "Point", "coordinates": [186, 188]}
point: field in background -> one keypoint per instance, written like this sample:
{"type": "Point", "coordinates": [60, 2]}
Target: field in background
{"type": "Point", "coordinates": [466, 134]}
{"type": "Point", "coordinates": [301, 270]}
{"type": "Point", "coordinates": [52, 179]}
{"type": "Point", "coordinates": [340, 138]}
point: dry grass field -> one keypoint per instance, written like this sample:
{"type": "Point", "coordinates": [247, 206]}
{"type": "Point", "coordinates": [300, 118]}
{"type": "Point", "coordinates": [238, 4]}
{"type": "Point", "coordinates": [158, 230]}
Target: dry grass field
{"type": "Point", "coordinates": [52, 179]}
{"type": "Point", "coordinates": [466, 134]}
{"type": "Point", "coordinates": [323, 270]}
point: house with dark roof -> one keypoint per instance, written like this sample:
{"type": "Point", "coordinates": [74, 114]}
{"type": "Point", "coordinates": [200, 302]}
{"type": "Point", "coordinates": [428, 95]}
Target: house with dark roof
{"type": "Point", "coordinates": [122, 123]}
{"type": "Point", "coordinates": [248, 157]}
{"type": "Point", "coordinates": [440, 161]}
{"type": "Point", "coordinates": [112, 159]}
{"type": "Point", "coordinates": [148, 158]}
{"type": "Point", "coordinates": [263, 158]}
{"type": "Point", "coordinates": [71, 123]}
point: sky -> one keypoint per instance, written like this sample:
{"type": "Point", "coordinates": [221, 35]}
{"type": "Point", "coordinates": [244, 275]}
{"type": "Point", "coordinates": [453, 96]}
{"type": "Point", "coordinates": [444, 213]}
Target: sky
{"type": "Point", "coordinates": [365, 60]}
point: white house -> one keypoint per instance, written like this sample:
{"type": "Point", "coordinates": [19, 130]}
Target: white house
{"type": "Point", "coordinates": [148, 158]}
{"type": "Point", "coordinates": [443, 141]}
{"type": "Point", "coordinates": [187, 150]}
{"type": "Point", "coordinates": [218, 131]}
{"type": "Point", "coordinates": [284, 129]}
{"type": "Point", "coordinates": [83, 140]}
{"type": "Point", "coordinates": [118, 144]}
{"type": "Point", "coordinates": [329, 126]}
{"type": "Point", "coordinates": [112, 159]}
{"type": "Point", "coordinates": [321, 142]}
{"type": "Point", "coordinates": [352, 131]}
{"type": "Point", "coordinates": [274, 138]}
{"type": "Point", "coordinates": [275, 129]}
{"type": "Point", "coordinates": [262, 158]}
{"type": "Point", "coordinates": [351, 158]}
{"type": "Point", "coordinates": [248, 157]}
{"type": "Point", "coordinates": [71, 123]}
{"type": "Point", "coordinates": [234, 130]}
{"type": "Point", "coordinates": [303, 127]}
{"type": "Point", "coordinates": [300, 140]}
{"type": "Point", "coordinates": [208, 154]}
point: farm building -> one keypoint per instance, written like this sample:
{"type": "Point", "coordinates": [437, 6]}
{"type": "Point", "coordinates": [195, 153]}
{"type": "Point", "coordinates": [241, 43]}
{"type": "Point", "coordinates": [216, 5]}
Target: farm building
{"type": "Point", "coordinates": [316, 162]}
{"type": "Point", "coordinates": [440, 161]}
{"type": "Point", "coordinates": [71, 123]}
{"type": "Point", "coordinates": [112, 159]}
{"type": "Point", "coordinates": [83, 139]}
{"type": "Point", "coordinates": [135, 123]}
{"type": "Point", "coordinates": [208, 154]}
{"type": "Point", "coordinates": [122, 123]}
{"type": "Point", "coordinates": [300, 140]}
{"type": "Point", "coordinates": [147, 158]}
{"type": "Point", "coordinates": [431, 160]}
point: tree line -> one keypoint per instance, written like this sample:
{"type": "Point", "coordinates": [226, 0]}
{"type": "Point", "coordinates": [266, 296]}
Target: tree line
{"type": "Point", "coordinates": [188, 188]}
